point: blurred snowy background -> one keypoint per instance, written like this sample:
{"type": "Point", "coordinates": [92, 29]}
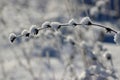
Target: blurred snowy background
{"type": "Point", "coordinates": [46, 57]}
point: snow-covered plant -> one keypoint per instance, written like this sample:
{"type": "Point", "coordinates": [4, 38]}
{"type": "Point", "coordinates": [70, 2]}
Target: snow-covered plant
{"type": "Point", "coordinates": [72, 22]}
{"type": "Point", "coordinates": [86, 21]}
{"type": "Point", "coordinates": [25, 33]}
{"type": "Point", "coordinates": [93, 66]}
{"type": "Point", "coordinates": [46, 24]}
{"type": "Point", "coordinates": [55, 26]}
{"type": "Point", "coordinates": [96, 72]}
{"type": "Point", "coordinates": [12, 37]}
{"type": "Point", "coordinates": [88, 54]}
{"type": "Point", "coordinates": [71, 40]}
{"type": "Point", "coordinates": [108, 56]}
{"type": "Point", "coordinates": [34, 30]}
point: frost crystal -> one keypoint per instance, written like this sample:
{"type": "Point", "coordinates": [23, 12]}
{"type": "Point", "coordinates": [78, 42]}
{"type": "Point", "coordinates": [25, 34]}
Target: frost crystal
{"type": "Point", "coordinates": [12, 37]}
{"type": "Point", "coordinates": [34, 30]}
{"type": "Point", "coordinates": [72, 22]}
{"type": "Point", "coordinates": [46, 24]}
{"type": "Point", "coordinates": [117, 38]}
{"type": "Point", "coordinates": [86, 21]}
{"type": "Point", "coordinates": [55, 26]}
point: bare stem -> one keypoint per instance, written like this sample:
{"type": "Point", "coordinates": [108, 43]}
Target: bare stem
{"type": "Point", "coordinates": [99, 25]}
{"type": "Point", "coordinates": [104, 27]}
